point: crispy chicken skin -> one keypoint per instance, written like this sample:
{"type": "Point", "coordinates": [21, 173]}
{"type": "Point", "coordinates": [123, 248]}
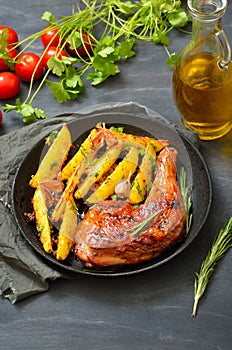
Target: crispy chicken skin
{"type": "Point", "coordinates": [106, 236]}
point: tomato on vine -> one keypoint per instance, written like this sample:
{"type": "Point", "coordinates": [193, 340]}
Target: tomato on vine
{"type": "Point", "coordinates": [10, 53]}
{"type": "Point", "coordinates": [79, 43]}
{"type": "Point", "coordinates": [9, 85]}
{"type": "Point", "coordinates": [12, 36]}
{"type": "Point", "coordinates": [29, 66]}
{"type": "Point", "coordinates": [52, 51]}
{"type": "Point", "coordinates": [50, 37]}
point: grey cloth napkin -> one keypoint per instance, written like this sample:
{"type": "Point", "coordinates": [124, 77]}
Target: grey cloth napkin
{"type": "Point", "coordinates": [22, 271]}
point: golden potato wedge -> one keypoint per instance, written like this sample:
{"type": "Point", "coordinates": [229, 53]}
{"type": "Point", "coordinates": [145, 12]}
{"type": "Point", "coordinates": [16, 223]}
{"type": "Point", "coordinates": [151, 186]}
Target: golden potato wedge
{"type": "Point", "coordinates": [67, 194]}
{"type": "Point", "coordinates": [143, 177]}
{"type": "Point", "coordinates": [98, 168]}
{"type": "Point", "coordinates": [53, 160]}
{"type": "Point", "coordinates": [85, 150]}
{"type": "Point", "coordinates": [123, 170]}
{"type": "Point", "coordinates": [42, 222]}
{"type": "Point", "coordinates": [141, 141]}
{"type": "Point", "coordinates": [67, 231]}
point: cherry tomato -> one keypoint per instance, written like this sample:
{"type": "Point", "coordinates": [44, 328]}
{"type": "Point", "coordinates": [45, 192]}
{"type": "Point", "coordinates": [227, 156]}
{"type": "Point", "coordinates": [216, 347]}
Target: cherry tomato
{"type": "Point", "coordinates": [9, 85]}
{"type": "Point", "coordinates": [83, 50]}
{"type": "Point", "coordinates": [12, 35]}
{"type": "Point", "coordinates": [50, 52]}
{"type": "Point", "coordinates": [0, 117]}
{"type": "Point", "coordinates": [26, 66]}
{"type": "Point", "coordinates": [50, 38]}
{"type": "Point", "coordinates": [12, 53]}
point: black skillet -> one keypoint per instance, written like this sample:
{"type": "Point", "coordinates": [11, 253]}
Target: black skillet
{"type": "Point", "coordinates": [188, 156]}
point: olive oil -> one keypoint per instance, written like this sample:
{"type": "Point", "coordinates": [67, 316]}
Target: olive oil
{"type": "Point", "coordinates": [203, 94]}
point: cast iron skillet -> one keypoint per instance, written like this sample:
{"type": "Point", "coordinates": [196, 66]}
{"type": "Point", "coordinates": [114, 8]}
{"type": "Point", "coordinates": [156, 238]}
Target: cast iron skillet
{"type": "Point", "coordinates": [188, 156]}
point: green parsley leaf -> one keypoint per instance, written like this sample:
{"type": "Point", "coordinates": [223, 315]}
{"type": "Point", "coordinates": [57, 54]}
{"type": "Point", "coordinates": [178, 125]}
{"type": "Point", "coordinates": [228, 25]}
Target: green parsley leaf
{"type": "Point", "coordinates": [58, 91]}
{"type": "Point", "coordinates": [171, 60]}
{"type": "Point", "coordinates": [56, 66]}
{"type": "Point", "coordinates": [160, 37]}
{"type": "Point", "coordinates": [51, 138]}
{"type": "Point", "coordinates": [40, 228]}
{"type": "Point", "coordinates": [103, 69]}
{"type": "Point", "coordinates": [69, 86]}
{"type": "Point", "coordinates": [47, 16]}
{"type": "Point", "coordinates": [119, 129]}
{"type": "Point", "coordinates": [125, 48]}
{"type": "Point", "coordinates": [126, 7]}
{"type": "Point", "coordinates": [29, 113]}
{"type": "Point", "coordinates": [106, 51]}
{"type": "Point", "coordinates": [178, 18]}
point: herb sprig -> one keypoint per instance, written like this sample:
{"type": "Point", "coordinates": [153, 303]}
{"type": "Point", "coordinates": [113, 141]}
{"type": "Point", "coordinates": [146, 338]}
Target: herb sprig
{"type": "Point", "coordinates": [121, 24]}
{"type": "Point", "coordinates": [186, 196]}
{"type": "Point", "coordinates": [221, 243]}
{"type": "Point", "coordinates": [144, 223]}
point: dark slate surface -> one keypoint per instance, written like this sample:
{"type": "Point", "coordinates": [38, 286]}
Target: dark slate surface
{"type": "Point", "coordinates": [146, 311]}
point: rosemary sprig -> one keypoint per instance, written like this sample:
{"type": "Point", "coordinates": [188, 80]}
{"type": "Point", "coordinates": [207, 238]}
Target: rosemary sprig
{"type": "Point", "coordinates": [221, 243]}
{"type": "Point", "coordinates": [143, 224]}
{"type": "Point", "coordinates": [186, 196]}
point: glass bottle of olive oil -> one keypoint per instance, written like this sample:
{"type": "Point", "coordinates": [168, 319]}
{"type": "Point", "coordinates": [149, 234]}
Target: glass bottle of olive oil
{"type": "Point", "coordinates": [202, 77]}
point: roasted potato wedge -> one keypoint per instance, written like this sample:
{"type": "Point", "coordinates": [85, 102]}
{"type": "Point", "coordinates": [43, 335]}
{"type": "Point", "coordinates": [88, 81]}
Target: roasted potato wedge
{"type": "Point", "coordinates": [55, 157]}
{"type": "Point", "coordinates": [141, 141]}
{"type": "Point", "coordinates": [143, 177]}
{"type": "Point", "coordinates": [123, 170]}
{"type": "Point", "coordinates": [67, 231]}
{"type": "Point", "coordinates": [67, 194]}
{"type": "Point", "coordinates": [98, 168]}
{"type": "Point", "coordinates": [86, 150]}
{"type": "Point", "coordinates": [42, 222]}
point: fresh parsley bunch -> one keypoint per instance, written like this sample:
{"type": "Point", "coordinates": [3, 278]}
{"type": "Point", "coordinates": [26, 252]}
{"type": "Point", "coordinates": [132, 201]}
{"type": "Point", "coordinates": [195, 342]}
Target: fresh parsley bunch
{"type": "Point", "coordinates": [120, 24]}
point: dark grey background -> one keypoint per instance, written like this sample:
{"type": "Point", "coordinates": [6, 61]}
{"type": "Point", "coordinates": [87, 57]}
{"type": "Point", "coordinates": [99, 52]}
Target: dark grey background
{"type": "Point", "coordinates": [151, 310]}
